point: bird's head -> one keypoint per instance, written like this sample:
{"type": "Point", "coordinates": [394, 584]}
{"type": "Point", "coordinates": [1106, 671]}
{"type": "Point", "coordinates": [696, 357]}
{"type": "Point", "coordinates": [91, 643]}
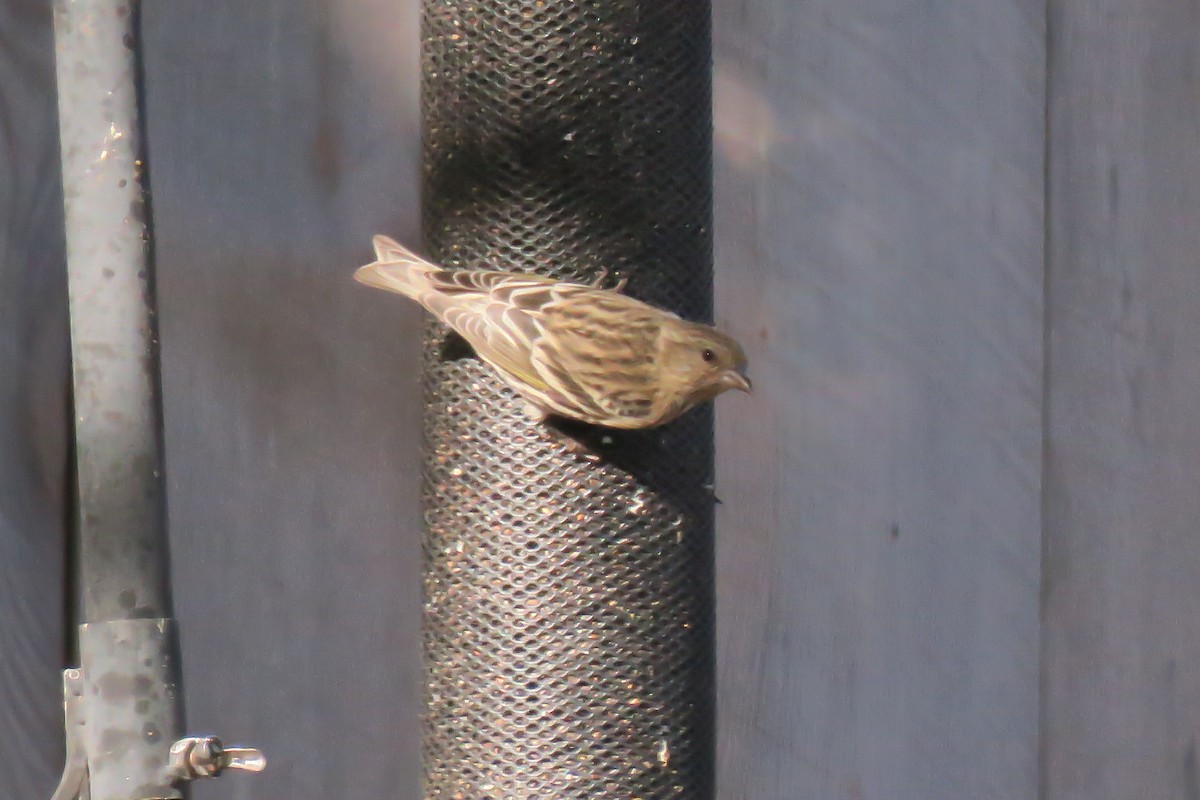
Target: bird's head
{"type": "Point", "coordinates": [700, 362]}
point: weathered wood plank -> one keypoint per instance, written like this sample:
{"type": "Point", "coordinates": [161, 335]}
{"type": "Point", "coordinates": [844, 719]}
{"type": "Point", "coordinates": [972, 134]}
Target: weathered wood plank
{"type": "Point", "coordinates": [1121, 642]}
{"type": "Point", "coordinates": [879, 229]}
{"type": "Point", "coordinates": [34, 418]}
{"type": "Point", "coordinates": [282, 135]}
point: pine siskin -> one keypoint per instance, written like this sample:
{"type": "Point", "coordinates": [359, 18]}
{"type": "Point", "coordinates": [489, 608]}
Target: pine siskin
{"type": "Point", "coordinates": [570, 349]}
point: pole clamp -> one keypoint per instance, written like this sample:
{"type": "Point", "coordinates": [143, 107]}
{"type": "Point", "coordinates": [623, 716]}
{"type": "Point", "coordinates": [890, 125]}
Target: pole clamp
{"type": "Point", "coordinates": [206, 757]}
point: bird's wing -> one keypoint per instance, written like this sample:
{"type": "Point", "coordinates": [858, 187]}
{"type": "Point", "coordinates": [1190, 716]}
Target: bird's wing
{"type": "Point", "coordinates": [498, 313]}
{"type": "Point", "coordinates": [600, 348]}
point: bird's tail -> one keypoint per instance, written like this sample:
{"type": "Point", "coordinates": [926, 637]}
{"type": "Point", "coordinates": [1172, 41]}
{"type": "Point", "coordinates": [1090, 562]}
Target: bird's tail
{"type": "Point", "coordinates": [396, 269]}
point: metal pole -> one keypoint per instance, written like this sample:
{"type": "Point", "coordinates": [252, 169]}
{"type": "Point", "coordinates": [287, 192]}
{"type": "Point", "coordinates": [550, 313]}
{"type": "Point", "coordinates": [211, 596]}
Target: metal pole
{"type": "Point", "coordinates": [124, 706]}
{"type": "Point", "coordinates": [568, 600]}
{"type": "Point", "coordinates": [128, 649]}
{"type": "Point", "coordinates": [113, 334]}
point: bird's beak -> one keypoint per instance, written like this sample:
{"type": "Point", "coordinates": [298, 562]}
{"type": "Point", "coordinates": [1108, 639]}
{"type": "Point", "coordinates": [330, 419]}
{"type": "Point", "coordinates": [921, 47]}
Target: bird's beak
{"type": "Point", "coordinates": [737, 380]}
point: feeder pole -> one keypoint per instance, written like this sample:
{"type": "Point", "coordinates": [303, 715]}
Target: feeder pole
{"type": "Point", "coordinates": [568, 625]}
{"type": "Point", "coordinates": [125, 702]}
{"type": "Point", "coordinates": [127, 644]}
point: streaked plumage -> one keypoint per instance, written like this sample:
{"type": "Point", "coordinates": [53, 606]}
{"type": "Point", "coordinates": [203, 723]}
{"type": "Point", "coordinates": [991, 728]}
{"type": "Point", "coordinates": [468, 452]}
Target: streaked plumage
{"type": "Point", "coordinates": [570, 349]}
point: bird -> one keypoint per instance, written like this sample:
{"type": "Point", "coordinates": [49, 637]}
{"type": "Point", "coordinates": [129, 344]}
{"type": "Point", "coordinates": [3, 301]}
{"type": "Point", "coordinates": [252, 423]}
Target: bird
{"type": "Point", "coordinates": [570, 350]}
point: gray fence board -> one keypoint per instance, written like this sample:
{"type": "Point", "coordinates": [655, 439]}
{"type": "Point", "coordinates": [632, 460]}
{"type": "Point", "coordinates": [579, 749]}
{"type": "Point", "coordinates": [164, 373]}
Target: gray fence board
{"type": "Point", "coordinates": [1122, 518]}
{"type": "Point", "coordinates": [282, 136]}
{"type": "Point", "coordinates": [879, 226]}
{"type": "Point", "coordinates": [34, 418]}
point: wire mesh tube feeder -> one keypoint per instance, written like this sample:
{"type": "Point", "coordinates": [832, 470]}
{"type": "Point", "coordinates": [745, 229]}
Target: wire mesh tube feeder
{"type": "Point", "coordinates": [568, 619]}
{"type": "Point", "coordinates": [124, 704]}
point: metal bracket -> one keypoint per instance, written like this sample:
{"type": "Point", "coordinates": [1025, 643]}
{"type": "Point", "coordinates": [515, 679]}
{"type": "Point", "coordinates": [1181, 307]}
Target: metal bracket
{"type": "Point", "coordinates": [189, 758]}
{"type": "Point", "coordinates": [74, 782]}
{"type": "Point", "coordinates": [131, 687]}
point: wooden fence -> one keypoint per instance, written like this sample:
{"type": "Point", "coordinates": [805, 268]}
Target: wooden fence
{"type": "Point", "coordinates": [959, 549]}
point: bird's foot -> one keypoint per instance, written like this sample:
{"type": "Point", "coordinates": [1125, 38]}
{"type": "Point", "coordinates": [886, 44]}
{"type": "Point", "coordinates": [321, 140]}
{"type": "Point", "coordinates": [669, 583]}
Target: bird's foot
{"type": "Point", "coordinates": [602, 279]}
{"type": "Point", "coordinates": [561, 432]}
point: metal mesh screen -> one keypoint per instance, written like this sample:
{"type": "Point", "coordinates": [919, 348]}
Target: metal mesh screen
{"type": "Point", "coordinates": [568, 602]}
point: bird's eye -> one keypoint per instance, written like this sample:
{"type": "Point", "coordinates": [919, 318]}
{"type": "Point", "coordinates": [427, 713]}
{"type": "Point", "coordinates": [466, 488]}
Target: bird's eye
{"type": "Point", "coordinates": [709, 356]}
